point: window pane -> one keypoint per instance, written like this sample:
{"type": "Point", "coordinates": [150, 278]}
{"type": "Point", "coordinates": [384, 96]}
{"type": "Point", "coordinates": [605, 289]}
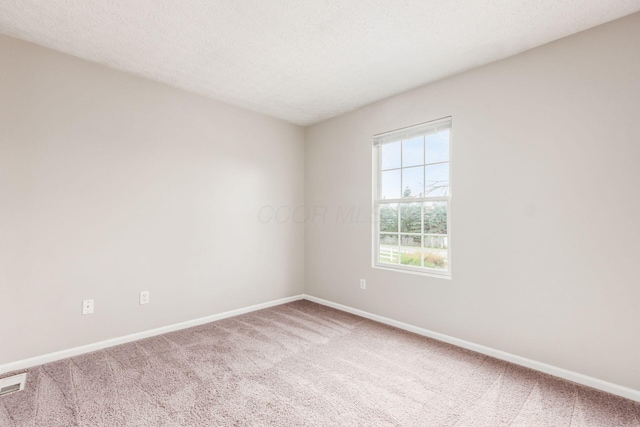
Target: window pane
{"type": "Point", "coordinates": [413, 182]}
{"type": "Point", "coordinates": [435, 258]}
{"type": "Point", "coordinates": [435, 217]}
{"type": "Point", "coordinates": [411, 250]}
{"type": "Point", "coordinates": [437, 180]}
{"type": "Point", "coordinates": [413, 152]}
{"type": "Point", "coordinates": [391, 155]}
{"type": "Point", "coordinates": [411, 218]}
{"type": "Point", "coordinates": [389, 218]}
{"type": "Point", "coordinates": [388, 251]}
{"type": "Point", "coordinates": [437, 147]}
{"type": "Point", "coordinates": [390, 184]}
{"type": "Point", "coordinates": [435, 242]}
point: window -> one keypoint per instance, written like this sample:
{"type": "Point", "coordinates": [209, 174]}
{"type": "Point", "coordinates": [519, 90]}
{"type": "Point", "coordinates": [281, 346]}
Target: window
{"type": "Point", "coordinates": [412, 199]}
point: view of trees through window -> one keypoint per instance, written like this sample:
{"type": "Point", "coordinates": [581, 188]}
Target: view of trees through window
{"type": "Point", "coordinates": [414, 233]}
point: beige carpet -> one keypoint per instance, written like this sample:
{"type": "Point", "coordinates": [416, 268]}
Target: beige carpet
{"type": "Point", "coordinates": [301, 364]}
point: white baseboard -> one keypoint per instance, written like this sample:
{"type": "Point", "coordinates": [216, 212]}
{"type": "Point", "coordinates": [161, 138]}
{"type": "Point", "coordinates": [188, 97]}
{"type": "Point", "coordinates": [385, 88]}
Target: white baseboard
{"type": "Point", "coordinates": [575, 377]}
{"type": "Point", "coordinates": [63, 354]}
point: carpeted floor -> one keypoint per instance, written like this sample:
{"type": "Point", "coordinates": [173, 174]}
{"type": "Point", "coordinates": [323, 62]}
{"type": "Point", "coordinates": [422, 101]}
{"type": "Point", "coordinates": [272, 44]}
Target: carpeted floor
{"type": "Point", "coordinates": [301, 364]}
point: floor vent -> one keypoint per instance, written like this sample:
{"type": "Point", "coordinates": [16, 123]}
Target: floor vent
{"type": "Point", "coordinates": [12, 384]}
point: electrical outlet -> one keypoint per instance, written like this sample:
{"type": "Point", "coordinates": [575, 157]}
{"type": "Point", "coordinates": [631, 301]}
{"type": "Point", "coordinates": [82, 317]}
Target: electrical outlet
{"type": "Point", "coordinates": [87, 306]}
{"type": "Point", "coordinates": [363, 284]}
{"type": "Point", "coordinates": [144, 297]}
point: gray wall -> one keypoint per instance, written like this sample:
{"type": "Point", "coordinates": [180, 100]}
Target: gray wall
{"type": "Point", "coordinates": [546, 204]}
{"type": "Point", "coordinates": [111, 184]}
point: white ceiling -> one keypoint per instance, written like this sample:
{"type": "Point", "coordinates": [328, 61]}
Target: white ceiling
{"type": "Point", "coordinates": [300, 60]}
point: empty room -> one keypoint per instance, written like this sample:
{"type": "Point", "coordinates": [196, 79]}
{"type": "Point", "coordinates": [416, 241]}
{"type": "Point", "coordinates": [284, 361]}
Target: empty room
{"type": "Point", "coordinates": [319, 213]}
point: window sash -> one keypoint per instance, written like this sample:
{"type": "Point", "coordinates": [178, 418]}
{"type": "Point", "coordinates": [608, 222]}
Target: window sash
{"type": "Point", "coordinates": [398, 233]}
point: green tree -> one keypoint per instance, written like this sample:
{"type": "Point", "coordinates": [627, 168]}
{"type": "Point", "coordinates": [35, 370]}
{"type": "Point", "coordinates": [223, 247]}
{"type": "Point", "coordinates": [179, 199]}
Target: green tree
{"type": "Point", "coordinates": [389, 218]}
{"type": "Point", "coordinates": [435, 219]}
{"type": "Point", "coordinates": [410, 218]}
{"type": "Point", "coordinates": [410, 215]}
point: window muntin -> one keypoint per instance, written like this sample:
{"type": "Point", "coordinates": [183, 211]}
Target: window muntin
{"type": "Point", "coordinates": [412, 198]}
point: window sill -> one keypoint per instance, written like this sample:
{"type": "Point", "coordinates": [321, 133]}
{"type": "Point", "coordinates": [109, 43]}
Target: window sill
{"type": "Point", "coordinates": [445, 276]}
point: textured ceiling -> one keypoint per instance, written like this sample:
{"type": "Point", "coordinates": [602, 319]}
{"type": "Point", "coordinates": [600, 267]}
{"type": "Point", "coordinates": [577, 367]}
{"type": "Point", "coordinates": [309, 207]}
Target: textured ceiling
{"type": "Point", "coordinates": [300, 60]}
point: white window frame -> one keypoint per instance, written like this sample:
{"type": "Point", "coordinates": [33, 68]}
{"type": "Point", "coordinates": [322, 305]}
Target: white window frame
{"type": "Point", "coordinates": [392, 136]}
